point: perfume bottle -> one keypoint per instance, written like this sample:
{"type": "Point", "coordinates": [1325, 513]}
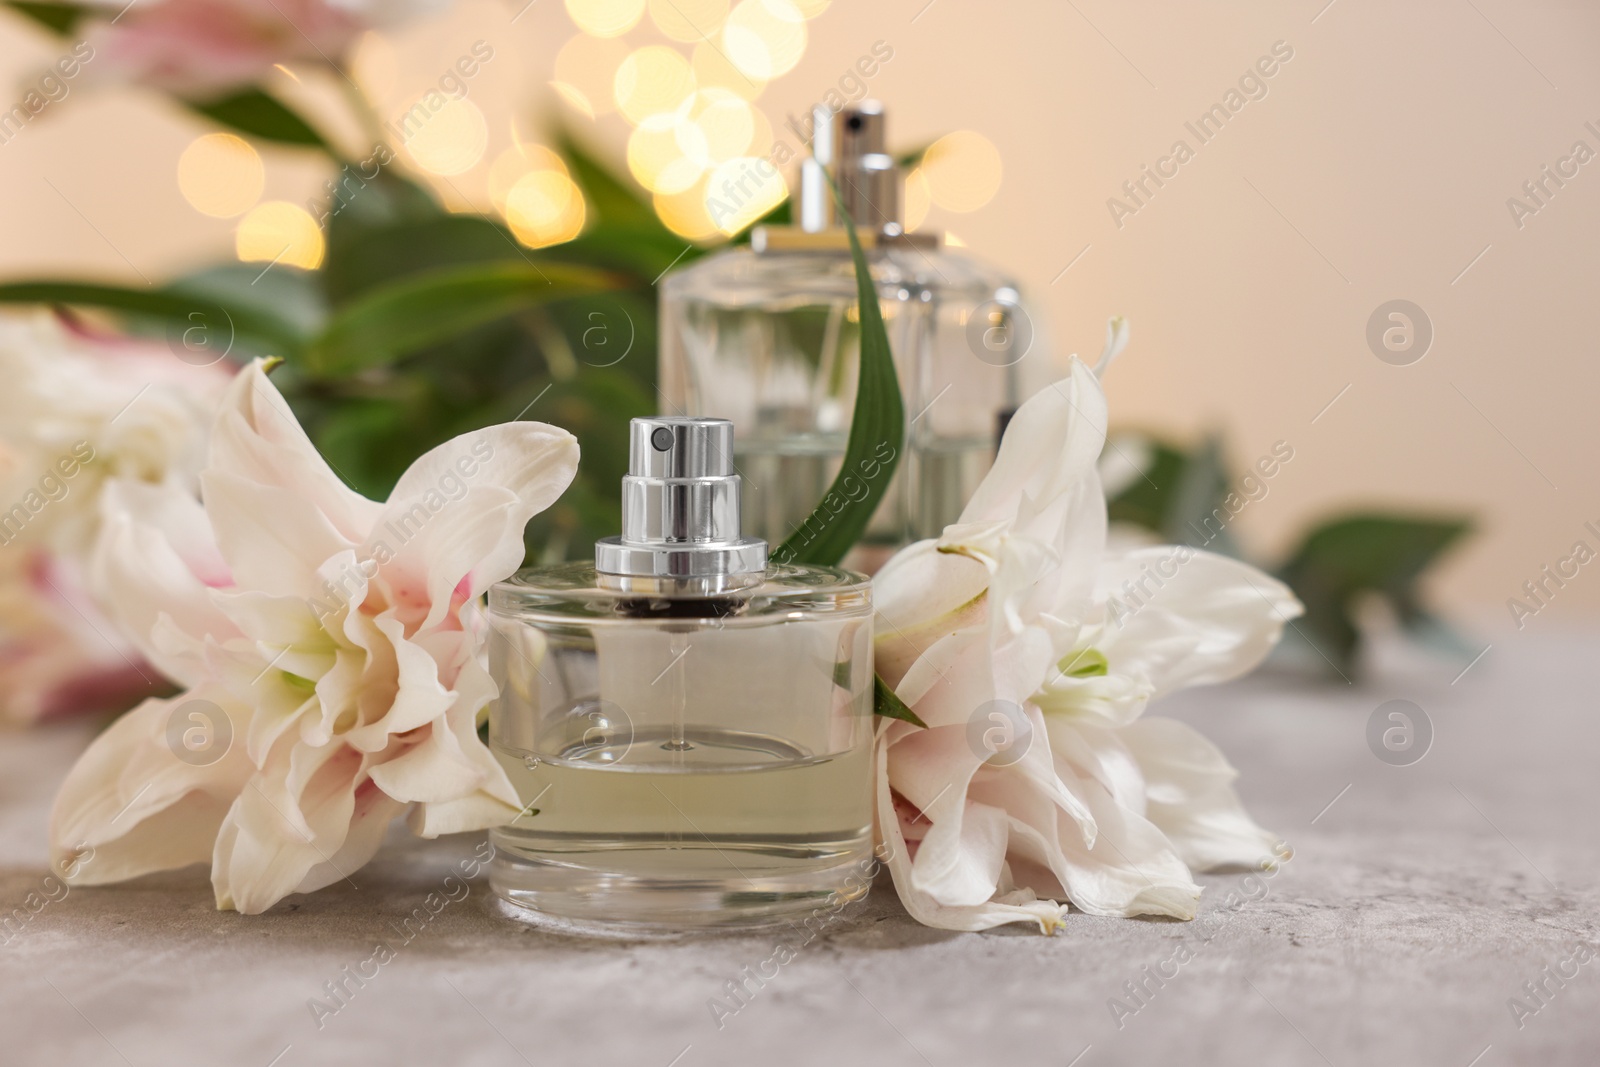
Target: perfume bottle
{"type": "Point", "coordinates": [688, 726]}
{"type": "Point", "coordinates": [769, 336]}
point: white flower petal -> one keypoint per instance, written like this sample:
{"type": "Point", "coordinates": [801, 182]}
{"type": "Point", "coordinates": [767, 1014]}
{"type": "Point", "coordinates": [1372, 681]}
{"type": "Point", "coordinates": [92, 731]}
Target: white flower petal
{"type": "Point", "coordinates": [274, 539]}
{"type": "Point", "coordinates": [294, 816]}
{"type": "Point", "coordinates": [1131, 869]}
{"type": "Point", "coordinates": [136, 805]}
{"type": "Point", "coordinates": [1191, 797]}
{"type": "Point", "coordinates": [1051, 442]}
{"type": "Point", "coordinates": [1214, 619]}
{"type": "Point", "coordinates": [258, 439]}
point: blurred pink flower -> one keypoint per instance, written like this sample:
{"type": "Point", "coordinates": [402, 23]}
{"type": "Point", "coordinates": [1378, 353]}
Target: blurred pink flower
{"type": "Point", "coordinates": [60, 655]}
{"type": "Point", "coordinates": [202, 48]}
{"type": "Point", "coordinates": [80, 409]}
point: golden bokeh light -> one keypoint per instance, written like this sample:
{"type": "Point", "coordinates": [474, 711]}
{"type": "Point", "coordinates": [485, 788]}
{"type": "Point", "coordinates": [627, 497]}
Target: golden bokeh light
{"type": "Point", "coordinates": [761, 136]}
{"type": "Point", "coordinates": [221, 175]}
{"type": "Point", "coordinates": [544, 208]}
{"type": "Point", "coordinates": [689, 20]}
{"type": "Point", "coordinates": [917, 199]}
{"type": "Point", "coordinates": [685, 213]}
{"type": "Point", "coordinates": [963, 171]}
{"type": "Point", "coordinates": [718, 125]}
{"type": "Point", "coordinates": [451, 140]}
{"type": "Point", "coordinates": [652, 80]}
{"type": "Point", "coordinates": [742, 190]}
{"type": "Point", "coordinates": [666, 153]}
{"type": "Point", "coordinates": [811, 8]}
{"type": "Point", "coordinates": [586, 71]}
{"type": "Point", "coordinates": [712, 69]}
{"type": "Point", "coordinates": [514, 163]}
{"type": "Point", "coordinates": [606, 18]}
{"type": "Point", "coordinates": [282, 233]}
{"type": "Point", "coordinates": [765, 38]}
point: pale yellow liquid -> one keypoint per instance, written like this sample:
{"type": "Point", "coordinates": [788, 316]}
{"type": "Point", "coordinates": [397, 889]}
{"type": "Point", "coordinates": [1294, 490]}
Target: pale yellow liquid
{"type": "Point", "coordinates": [718, 807]}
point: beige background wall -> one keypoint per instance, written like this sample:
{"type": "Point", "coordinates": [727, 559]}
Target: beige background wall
{"type": "Point", "coordinates": [1377, 167]}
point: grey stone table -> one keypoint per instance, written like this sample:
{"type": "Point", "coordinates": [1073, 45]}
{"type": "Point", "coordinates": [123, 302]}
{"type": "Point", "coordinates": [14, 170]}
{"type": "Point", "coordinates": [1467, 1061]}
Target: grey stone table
{"type": "Point", "coordinates": [1419, 901]}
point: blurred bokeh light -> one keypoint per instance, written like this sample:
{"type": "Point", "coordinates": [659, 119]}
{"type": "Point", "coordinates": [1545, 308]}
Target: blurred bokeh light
{"type": "Point", "coordinates": [689, 20]}
{"type": "Point", "coordinates": [586, 73]}
{"type": "Point", "coordinates": [963, 171]}
{"type": "Point", "coordinates": [765, 38]}
{"type": "Point", "coordinates": [606, 18]}
{"type": "Point", "coordinates": [279, 232]}
{"type": "Point", "coordinates": [221, 175]}
{"type": "Point", "coordinates": [652, 80]}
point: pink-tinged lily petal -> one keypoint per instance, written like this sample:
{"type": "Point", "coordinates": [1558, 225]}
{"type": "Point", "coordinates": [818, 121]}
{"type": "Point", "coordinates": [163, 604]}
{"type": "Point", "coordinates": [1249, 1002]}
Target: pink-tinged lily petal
{"type": "Point", "coordinates": [457, 515]}
{"type": "Point", "coordinates": [137, 803]}
{"type": "Point", "coordinates": [200, 48]}
{"type": "Point", "coordinates": [450, 765]}
{"type": "Point", "coordinates": [1047, 915]}
{"type": "Point", "coordinates": [155, 560]}
{"type": "Point", "coordinates": [284, 823]}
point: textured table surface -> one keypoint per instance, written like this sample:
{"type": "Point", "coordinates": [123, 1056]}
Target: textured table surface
{"type": "Point", "coordinates": [1417, 904]}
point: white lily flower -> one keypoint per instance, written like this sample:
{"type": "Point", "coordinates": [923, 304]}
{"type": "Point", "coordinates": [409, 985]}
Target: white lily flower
{"type": "Point", "coordinates": [329, 647]}
{"type": "Point", "coordinates": [1016, 639]}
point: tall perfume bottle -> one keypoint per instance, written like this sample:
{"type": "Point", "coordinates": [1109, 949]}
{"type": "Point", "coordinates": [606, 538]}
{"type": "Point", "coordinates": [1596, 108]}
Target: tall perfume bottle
{"type": "Point", "coordinates": [689, 728]}
{"type": "Point", "coordinates": [769, 336]}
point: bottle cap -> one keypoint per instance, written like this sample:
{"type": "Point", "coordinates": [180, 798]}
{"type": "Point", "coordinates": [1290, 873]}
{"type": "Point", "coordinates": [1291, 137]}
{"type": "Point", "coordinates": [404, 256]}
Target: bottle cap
{"type": "Point", "coordinates": [680, 513]}
{"type": "Point", "coordinates": [850, 146]}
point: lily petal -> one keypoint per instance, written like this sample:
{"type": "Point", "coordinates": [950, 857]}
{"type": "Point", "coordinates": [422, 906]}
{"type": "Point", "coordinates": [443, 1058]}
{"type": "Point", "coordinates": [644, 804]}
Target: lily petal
{"type": "Point", "coordinates": [1192, 799]}
{"type": "Point", "coordinates": [137, 806]}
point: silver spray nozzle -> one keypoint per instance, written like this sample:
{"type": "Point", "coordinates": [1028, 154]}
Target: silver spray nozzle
{"type": "Point", "coordinates": [851, 146]}
{"type": "Point", "coordinates": [680, 513]}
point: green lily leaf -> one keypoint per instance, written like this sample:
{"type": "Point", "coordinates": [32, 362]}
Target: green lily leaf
{"type": "Point", "coordinates": [1343, 560]}
{"type": "Point", "coordinates": [197, 320]}
{"type": "Point", "coordinates": [885, 703]}
{"type": "Point", "coordinates": [264, 117]}
{"type": "Point", "coordinates": [1147, 501]}
{"type": "Point", "coordinates": [365, 257]}
{"type": "Point", "coordinates": [877, 437]}
{"type": "Point", "coordinates": [59, 18]}
{"type": "Point", "coordinates": [1178, 496]}
{"type": "Point", "coordinates": [283, 294]}
{"type": "Point", "coordinates": [411, 314]}
{"type": "Point", "coordinates": [1197, 515]}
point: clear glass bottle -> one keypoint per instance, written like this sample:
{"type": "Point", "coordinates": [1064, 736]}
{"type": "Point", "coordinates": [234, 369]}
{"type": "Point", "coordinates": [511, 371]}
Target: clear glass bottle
{"type": "Point", "coordinates": [689, 728]}
{"type": "Point", "coordinates": [768, 336]}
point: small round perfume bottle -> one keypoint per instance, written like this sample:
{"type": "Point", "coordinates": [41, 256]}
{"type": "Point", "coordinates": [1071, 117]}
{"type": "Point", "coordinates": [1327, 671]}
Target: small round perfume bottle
{"type": "Point", "coordinates": [689, 728]}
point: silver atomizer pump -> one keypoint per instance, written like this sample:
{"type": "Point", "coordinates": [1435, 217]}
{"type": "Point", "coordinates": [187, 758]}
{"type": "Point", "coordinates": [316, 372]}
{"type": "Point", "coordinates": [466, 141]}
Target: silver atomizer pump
{"type": "Point", "coordinates": [851, 148]}
{"type": "Point", "coordinates": [681, 532]}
